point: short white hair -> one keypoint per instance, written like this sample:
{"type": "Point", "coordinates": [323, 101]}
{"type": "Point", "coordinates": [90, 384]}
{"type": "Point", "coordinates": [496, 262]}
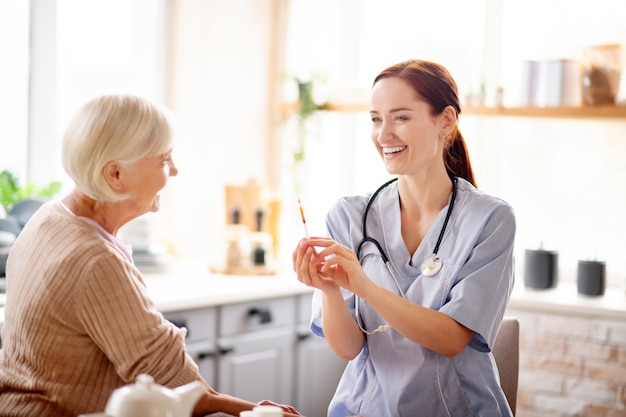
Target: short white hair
{"type": "Point", "coordinates": [120, 128]}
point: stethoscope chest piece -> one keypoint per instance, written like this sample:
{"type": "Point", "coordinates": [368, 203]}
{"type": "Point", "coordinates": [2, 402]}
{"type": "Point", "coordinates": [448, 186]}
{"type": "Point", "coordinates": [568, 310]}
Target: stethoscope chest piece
{"type": "Point", "coordinates": [431, 266]}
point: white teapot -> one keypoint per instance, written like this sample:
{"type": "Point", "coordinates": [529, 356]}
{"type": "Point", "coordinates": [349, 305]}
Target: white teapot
{"type": "Point", "coordinates": [146, 398]}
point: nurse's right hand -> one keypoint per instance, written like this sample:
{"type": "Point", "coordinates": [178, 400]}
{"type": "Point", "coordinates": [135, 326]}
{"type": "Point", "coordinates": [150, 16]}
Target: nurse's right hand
{"type": "Point", "coordinates": [307, 266]}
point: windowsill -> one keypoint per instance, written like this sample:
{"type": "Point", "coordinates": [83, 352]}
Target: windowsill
{"type": "Point", "coordinates": [564, 299]}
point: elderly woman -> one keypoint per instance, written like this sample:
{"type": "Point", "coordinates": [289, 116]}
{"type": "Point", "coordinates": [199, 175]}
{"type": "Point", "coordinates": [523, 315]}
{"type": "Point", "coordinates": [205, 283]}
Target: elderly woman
{"type": "Point", "coordinates": [79, 322]}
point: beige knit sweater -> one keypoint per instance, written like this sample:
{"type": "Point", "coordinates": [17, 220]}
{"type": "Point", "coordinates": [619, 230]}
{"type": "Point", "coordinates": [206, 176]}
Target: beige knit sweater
{"type": "Point", "coordinates": [78, 322]}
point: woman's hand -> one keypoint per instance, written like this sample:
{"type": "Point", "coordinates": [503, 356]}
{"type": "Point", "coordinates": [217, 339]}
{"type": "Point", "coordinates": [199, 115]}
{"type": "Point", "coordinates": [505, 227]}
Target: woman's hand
{"type": "Point", "coordinates": [286, 408]}
{"type": "Point", "coordinates": [334, 266]}
{"type": "Point", "coordinates": [306, 264]}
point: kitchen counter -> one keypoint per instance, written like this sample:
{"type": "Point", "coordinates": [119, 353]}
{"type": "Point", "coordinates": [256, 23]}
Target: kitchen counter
{"type": "Point", "coordinates": [565, 299]}
{"type": "Point", "coordinates": [190, 285]}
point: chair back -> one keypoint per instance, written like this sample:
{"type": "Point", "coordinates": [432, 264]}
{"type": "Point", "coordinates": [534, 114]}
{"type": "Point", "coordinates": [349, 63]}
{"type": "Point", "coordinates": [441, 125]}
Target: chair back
{"type": "Point", "coordinates": [506, 353]}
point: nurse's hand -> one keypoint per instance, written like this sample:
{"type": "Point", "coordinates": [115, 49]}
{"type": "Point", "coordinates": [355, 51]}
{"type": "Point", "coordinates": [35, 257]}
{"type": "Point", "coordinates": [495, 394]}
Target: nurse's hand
{"type": "Point", "coordinates": [328, 270]}
{"type": "Point", "coordinates": [307, 265]}
{"type": "Point", "coordinates": [339, 264]}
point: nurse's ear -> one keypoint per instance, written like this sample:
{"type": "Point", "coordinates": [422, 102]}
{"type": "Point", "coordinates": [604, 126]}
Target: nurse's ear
{"type": "Point", "coordinates": [448, 120]}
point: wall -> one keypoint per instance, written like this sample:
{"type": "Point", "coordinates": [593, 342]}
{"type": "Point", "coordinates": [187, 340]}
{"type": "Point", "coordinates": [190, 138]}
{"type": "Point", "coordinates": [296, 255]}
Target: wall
{"type": "Point", "coordinates": [571, 366]}
{"type": "Point", "coordinates": [219, 78]}
{"type": "Point", "coordinates": [562, 177]}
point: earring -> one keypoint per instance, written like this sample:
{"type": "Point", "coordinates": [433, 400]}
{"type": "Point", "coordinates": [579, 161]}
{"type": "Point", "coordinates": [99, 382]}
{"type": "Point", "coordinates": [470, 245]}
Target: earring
{"type": "Point", "coordinates": [118, 187]}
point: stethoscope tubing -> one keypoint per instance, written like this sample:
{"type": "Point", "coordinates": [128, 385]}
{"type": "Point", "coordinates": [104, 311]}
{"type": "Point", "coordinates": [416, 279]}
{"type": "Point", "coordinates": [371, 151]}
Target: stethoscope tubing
{"type": "Point", "coordinates": [364, 223]}
{"type": "Point", "coordinates": [367, 238]}
{"type": "Point", "coordinates": [385, 258]}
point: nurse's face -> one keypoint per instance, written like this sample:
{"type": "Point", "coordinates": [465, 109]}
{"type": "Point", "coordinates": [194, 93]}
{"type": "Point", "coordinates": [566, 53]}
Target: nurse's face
{"type": "Point", "coordinates": [408, 138]}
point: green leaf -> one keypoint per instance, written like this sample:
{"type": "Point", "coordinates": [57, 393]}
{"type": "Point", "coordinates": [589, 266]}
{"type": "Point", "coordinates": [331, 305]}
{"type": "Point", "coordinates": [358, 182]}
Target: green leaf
{"type": "Point", "coordinates": [11, 192]}
{"type": "Point", "coordinates": [8, 189]}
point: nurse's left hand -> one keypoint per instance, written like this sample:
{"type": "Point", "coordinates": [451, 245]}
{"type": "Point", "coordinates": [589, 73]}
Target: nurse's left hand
{"type": "Point", "coordinates": [307, 266]}
{"type": "Point", "coordinates": [340, 264]}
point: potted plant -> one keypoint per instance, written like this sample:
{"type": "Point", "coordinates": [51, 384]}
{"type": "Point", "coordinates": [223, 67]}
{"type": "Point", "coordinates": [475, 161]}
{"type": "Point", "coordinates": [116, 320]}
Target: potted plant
{"type": "Point", "coordinates": [306, 109]}
{"type": "Point", "coordinates": [11, 192]}
{"type": "Point", "coordinates": [11, 195]}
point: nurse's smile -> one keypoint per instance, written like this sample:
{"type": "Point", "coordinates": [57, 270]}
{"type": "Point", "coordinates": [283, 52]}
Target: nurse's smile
{"type": "Point", "coordinates": [390, 151]}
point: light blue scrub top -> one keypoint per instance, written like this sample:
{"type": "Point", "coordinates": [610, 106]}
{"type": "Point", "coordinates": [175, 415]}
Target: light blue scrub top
{"type": "Point", "coordinates": [393, 376]}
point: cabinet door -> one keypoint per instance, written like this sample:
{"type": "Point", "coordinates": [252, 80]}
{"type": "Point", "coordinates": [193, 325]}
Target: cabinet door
{"type": "Point", "coordinates": [203, 354]}
{"type": "Point", "coordinates": [258, 315]}
{"type": "Point", "coordinates": [258, 365]}
{"type": "Point", "coordinates": [201, 325]}
{"type": "Point", "coordinates": [318, 371]}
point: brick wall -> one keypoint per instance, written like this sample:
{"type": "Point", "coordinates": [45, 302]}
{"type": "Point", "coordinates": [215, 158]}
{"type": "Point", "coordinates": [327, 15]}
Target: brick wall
{"type": "Point", "coordinates": [571, 366]}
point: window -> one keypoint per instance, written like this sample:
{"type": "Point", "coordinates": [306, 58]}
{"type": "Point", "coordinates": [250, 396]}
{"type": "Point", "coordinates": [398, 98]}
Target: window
{"type": "Point", "coordinates": [77, 50]}
{"type": "Point", "coordinates": [348, 43]}
{"type": "Point", "coordinates": [558, 175]}
{"type": "Point", "coordinates": [14, 26]}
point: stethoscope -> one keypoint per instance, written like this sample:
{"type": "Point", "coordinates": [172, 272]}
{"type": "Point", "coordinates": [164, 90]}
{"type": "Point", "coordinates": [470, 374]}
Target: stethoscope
{"type": "Point", "coordinates": [430, 267]}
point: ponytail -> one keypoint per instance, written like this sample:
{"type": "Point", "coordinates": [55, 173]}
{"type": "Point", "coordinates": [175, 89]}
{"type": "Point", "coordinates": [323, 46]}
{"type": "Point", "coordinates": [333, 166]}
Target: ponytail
{"type": "Point", "coordinates": [456, 158]}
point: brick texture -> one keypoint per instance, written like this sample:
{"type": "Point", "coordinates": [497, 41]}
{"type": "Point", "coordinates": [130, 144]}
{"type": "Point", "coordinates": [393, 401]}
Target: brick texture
{"type": "Point", "coordinates": [571, 366]}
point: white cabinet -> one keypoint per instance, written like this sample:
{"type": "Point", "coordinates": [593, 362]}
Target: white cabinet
{"type": "Point", "coordinates": [201, 325]}
{"type": "Point", "coordinates": [263, 349]}
{"type": "Point", "coordinates": [256, 342]}
{"type": "Point", "coordinates": [317, 368]}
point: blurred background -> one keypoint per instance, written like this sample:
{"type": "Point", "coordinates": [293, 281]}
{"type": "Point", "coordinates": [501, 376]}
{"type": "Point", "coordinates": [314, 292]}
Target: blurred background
{"type": "Point", "coordinates": [229, 71]}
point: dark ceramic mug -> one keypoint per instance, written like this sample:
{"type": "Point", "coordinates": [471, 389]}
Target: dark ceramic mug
{"type": "Point", "coordinates": [540, 268]}
{"type": "Point", "coordinates": [591, 278]}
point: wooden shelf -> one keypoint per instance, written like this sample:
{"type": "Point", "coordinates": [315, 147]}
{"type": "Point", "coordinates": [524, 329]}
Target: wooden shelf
{"type": "Point", "coordinates": [584, 112]}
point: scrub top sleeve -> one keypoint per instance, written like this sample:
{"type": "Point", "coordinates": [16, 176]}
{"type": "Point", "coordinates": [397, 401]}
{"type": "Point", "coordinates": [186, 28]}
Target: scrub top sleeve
{"type": "Point", "coordinates": [481, 292]}
{"type": "Point", "coordinates": [316, 310]}
{"type": "Point", "coordinates": [316, 314]}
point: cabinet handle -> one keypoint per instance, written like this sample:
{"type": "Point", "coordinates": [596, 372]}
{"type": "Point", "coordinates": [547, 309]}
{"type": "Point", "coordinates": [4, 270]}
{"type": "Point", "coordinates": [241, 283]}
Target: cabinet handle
{"type": "Point", "coordinates": [204, 355]}
{"type": "Point", "coordinates": [264, 314]}
{"type": "Point", "coordinates": [226, 350]}
{"type": "Point", "coordinates": [304, 336]}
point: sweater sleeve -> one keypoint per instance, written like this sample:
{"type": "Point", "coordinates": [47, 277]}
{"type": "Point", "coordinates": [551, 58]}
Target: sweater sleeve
{"type": "Point", "coordinates": [122, 320]}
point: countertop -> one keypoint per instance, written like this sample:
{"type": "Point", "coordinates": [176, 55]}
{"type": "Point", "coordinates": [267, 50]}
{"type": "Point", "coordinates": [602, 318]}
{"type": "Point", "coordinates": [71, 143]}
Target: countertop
{"type": "Point", "coordinates": [564, 299]}
{"type": "Point", "coordinates": [190, 285]}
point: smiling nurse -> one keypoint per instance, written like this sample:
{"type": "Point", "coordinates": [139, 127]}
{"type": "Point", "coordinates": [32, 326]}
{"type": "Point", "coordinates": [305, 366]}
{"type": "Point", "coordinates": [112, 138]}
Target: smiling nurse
{"type": "Point", "coordinates": [413, 282]}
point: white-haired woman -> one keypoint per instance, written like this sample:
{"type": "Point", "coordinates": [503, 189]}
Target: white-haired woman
{"type": "Point", "coordinates": [78, 320]}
